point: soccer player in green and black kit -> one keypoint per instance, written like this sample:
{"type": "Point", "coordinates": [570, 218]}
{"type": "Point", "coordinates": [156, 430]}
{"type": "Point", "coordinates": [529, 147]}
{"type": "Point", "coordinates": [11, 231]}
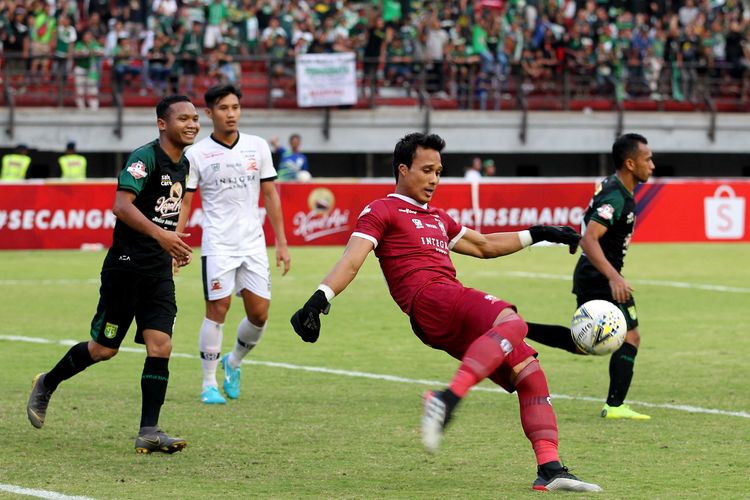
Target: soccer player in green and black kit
{"type": "Point", "coordinates": [136, 278]}
{"type": "Point", "coordinates": [607, 228]}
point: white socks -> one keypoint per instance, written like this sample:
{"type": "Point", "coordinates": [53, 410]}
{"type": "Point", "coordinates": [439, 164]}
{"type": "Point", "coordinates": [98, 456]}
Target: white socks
{"type": "Point", "coordinates": [211, 335]}
{"type": "Point", "coordinates": [248, 335]}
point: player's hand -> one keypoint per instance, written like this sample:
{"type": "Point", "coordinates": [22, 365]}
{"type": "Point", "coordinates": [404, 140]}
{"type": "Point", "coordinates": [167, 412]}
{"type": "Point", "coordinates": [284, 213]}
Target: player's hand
{"type": "Point", "coordinates": [621, 289]}
{"type": "Point", "coordinates": [282, 256]}
{"type": "Point", "coordinates": [556, 234]}
{"type": "Point", "coordinates": [178, 263]}
{"type": "Point", "coordinates": [306, 321]}
{"type": "Point", "coordinates": [171, 241]}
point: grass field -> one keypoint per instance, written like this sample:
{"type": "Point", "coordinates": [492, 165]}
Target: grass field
{"type": "Point", "coordinates": [311, 423]}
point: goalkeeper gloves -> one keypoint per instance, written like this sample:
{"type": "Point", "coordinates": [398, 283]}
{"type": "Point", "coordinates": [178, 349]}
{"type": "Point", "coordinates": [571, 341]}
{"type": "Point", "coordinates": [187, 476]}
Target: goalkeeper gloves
{"type": "Point", "coordinates": [306, 321]}
{"type": "Point", "coordinates": [556, 234]}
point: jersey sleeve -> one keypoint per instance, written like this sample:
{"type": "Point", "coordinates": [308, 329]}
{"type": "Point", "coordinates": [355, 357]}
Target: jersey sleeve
{"type": "Point", "coordinates": [267, 170]}
{"type": "Point", "coordinates": [137, 169]}
{"type": "Point", "coordinates": [607, 208]}
{"type": "Point", "coordinates": [453, 230]}
{"type": "Point", "coordinates": [372, 222]}
{"type": "Point", "coordinates": [194, 174]}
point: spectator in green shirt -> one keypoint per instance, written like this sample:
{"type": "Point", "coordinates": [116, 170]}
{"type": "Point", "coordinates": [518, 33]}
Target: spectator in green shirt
{"type": "Point", "coordinates": [87, 54]}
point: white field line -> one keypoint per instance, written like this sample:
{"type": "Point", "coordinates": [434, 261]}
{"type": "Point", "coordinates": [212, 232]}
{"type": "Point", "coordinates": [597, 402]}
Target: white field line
{"type": "Point", "coordinates": [670, 284]}
{"type": "Point", "coordinates": [51, 495]}
{"type": "Point", "coordinates": [391, 378]}
{"type": "Point", "coordinates": [512, 274]}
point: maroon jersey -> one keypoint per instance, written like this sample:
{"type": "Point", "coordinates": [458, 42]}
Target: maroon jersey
{"type": "Point", "coordinates": [412, 243]}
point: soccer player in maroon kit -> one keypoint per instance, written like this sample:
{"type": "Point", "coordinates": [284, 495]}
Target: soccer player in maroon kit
{"type": "Point", "coordinates": [412, 242]}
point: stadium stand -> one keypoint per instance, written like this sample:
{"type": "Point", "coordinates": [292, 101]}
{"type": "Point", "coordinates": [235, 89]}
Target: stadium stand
{"type": "Point", "coordinates": [489, 54]}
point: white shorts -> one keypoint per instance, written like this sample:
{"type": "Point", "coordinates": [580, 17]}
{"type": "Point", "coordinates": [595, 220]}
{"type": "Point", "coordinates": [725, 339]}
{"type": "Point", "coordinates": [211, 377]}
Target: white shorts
{"type": "Point", "coordinates": [227, 274]}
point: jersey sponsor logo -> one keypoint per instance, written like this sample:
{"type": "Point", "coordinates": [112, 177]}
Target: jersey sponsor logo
{"type": "Point", "coordinates": [436, 243]}
{"type": "Point", "coordinates": [169, 206]}
{"type": "Point", "coordinates": [407, 211]}
{"type": "Point", "coordinates": [124, 258]}
{"type": "Point", "coordinates": [630, 218]}
{"type": "Point", "coordinates": [211, 154]}
{"type": "Point", "coordinates": [491, 298]}
{"type": "Point", "coordinates": [110, 330]}
{"type": "Point", "coordinates": [166, 180]}
{"type": "Point", "coordinates": [418, 223]}
{"type": "Point", "coordinates": [323, 218]}
{"type": "Point", "coordinates": [215, 285]}
{"type": "Point", "coordinates": [137, 170]}
{"type": "Point", "coordinates": [606, 211]}
{"type": "Point", "coordinates": [215, 166]}
{"type": "Point", "coordinates": [252, 165]}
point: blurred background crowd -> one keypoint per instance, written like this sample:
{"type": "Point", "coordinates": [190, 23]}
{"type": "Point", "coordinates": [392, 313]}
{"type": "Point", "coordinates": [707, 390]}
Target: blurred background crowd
{"type": "Point", "coordinates": [473, 51]}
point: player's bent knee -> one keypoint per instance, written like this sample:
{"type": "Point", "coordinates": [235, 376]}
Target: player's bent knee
{"type": "Point", "coordinates": [633, 337]}
{"type": "Point", "coordinates": [99, 352]}
{"type": "Point", "coordinates": [524, 369]}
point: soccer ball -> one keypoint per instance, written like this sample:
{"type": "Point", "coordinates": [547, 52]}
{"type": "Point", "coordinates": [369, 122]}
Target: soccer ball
{"type": "Point", "coordinates": [304, 176]}
{"type": "Point", "coordinates": [598, 327]}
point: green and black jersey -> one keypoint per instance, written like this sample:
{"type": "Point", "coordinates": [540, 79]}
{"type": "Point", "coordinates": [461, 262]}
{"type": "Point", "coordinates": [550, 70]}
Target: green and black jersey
{"type": "Point", "coordinates": [612, 206]}
{"type": "Point", "coordinates": [159, 185]}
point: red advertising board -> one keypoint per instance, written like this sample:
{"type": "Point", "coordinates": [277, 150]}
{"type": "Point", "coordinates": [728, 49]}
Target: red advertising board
{"type": "Point", "coordinates": [47, 215]}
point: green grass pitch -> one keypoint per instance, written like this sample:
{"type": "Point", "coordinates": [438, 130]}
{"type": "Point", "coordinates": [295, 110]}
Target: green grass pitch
{"type": "Point", "coordinates": [334, 432]}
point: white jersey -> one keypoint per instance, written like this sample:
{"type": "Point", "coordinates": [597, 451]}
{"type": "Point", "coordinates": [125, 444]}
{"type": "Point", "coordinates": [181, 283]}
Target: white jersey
{"type": "Point", "coordinates": [229, 181]}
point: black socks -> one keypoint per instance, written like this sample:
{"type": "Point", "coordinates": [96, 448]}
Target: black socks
{"type": "Point", "coordinates": [75, 361]}
{"type": "Point", "coordinates": [154, 382]}
{"type": "Point", "coordinates": [553, 336]}
{"type": "Point", "coordinates": [620, 373]}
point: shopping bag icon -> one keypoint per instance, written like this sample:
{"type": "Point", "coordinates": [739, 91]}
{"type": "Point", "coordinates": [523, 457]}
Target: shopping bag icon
{"type": "Point", "coordinates": [725, 215]}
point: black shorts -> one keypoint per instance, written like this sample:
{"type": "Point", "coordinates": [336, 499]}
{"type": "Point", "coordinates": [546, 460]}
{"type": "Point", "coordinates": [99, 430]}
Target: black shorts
{"type": "Point", "coordinates": [123, 296]}
{"type": "Point", "coordinates": [627, 308]}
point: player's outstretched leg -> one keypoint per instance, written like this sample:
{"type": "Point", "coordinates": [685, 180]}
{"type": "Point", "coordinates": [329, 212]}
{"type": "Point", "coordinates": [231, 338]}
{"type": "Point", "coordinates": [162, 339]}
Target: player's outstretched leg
{"type": "Point", "coordinates": [36, 408]}
{"type": "Point", "coordinates": [552, 476]}
{"type": "Point", "coordinates": [438, 409]}
{"type": "Point", "coordinates": [153, 439]}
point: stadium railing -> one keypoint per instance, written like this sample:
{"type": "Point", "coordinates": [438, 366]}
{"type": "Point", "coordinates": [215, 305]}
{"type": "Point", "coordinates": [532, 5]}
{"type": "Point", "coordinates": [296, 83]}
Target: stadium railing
{"type": "Point", "coordinates": [270, 84]}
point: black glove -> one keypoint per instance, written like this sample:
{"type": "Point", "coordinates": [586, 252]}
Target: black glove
{"type": "Point", "coordinates": [556, 234]}
{"type": "Point", "coordinates": [306, 321]}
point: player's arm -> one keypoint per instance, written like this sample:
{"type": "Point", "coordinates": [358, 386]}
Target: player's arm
{"type": "Point", "coordinates": [306, 321]}
{"type": "Point", "coordinates": [187, 203]}
{"type": "Point", "coordinates": [593, 250]}
{"type": "Point", "coordinates": [488, 246]}
{"type": "Point", "coordinates": [127, 212]}
{"type": "Point", "coordinates": [273, 208]}
{"type": "Point", "coordinates": [182, 221]}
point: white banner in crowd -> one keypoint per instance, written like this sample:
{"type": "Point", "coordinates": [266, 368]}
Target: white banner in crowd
{"type": "Point", "coordinates": [326, 79]}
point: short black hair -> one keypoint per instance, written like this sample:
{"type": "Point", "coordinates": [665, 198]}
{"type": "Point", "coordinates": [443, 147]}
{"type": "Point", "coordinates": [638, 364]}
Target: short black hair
{"type": "Point", "coordinates": [406, 148]}
{"type": "Point", "coordinates": [626, 146]}
{"type": "Point", "coordinates": [162, 109]}
{"type": "Point", "coordinates": [218, 92]}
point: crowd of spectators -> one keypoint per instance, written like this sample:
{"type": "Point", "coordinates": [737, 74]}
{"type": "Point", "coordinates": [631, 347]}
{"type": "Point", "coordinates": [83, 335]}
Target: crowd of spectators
{"type": "Point", "coordinates": [658, 49]}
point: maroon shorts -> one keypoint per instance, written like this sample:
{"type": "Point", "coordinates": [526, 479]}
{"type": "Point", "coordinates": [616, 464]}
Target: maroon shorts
{"type": "Point", "coordinates": [448, 316]}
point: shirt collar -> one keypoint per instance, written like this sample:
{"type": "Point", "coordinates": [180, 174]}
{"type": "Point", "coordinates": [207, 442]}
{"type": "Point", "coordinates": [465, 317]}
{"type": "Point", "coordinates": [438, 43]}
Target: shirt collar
{"type": "Point", "coordinates": [412, 201]}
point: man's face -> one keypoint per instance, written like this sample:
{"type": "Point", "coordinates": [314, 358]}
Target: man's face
{"type": "Point", "coordinates": [420, 181]}
{"type": "Point", "coordinates": [225, 115]}
{"type": "Point", "coordinates": [181, 125]}
{"type": "Point", "coordinates": [643, 163]}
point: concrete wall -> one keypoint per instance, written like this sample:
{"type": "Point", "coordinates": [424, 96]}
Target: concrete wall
{"type": "Point", "coordinates": [362, 131]}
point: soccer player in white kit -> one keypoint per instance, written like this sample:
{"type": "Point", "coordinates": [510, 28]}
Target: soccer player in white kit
{"type": "Point", "coordinates": [232, 169]}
